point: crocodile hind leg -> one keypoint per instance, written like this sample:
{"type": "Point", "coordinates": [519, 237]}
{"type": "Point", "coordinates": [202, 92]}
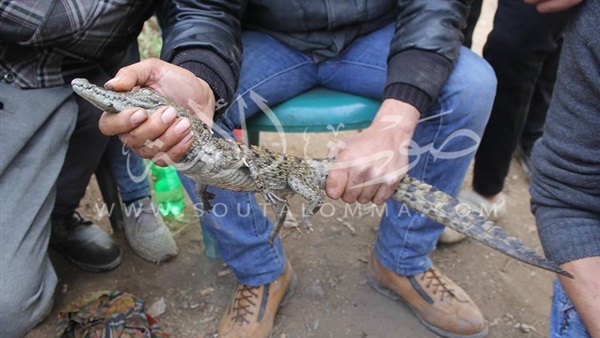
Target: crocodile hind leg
{"type": "Point", "coordinates": [313, 195]}
{"type": "Point", "coordinates": [278, 204]}
{"type": "Point", "coordinates": [280, 210]}
{"type": "Point", "coordinates": [204, 196]}
{"type": "Point", "coordinates": [261, 183]}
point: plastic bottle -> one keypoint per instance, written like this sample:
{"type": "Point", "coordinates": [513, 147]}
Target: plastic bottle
{"type": "Point", "coordinates": [168, 192]}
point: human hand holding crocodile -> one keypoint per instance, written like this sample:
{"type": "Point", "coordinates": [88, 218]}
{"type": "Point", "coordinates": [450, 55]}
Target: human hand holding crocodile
{"type": "Point", "coordinates": [162, 132]}
{"type": "Point", "coordinates": [370, 164]}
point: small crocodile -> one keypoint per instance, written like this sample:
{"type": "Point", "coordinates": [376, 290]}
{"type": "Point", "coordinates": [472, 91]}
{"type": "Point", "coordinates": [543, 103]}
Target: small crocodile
{"type": "Point", "coordinates": [224, 163]}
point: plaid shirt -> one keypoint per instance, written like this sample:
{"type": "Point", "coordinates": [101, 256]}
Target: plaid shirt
{"type": "Point", "coordinates": [45, 43]}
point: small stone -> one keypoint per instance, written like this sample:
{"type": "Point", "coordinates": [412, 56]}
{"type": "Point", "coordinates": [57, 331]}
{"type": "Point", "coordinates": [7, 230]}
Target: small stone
{"type": "Point", "coordinates": [158, 308]}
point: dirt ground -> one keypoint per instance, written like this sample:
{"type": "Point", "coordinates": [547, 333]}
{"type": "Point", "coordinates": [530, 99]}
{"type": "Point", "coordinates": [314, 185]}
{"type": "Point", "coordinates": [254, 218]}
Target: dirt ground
{"type": "Point", "coordinates": [332, 299]}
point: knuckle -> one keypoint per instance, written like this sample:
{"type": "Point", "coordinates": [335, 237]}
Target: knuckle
{"type": "Point", "coordinates": [349, 198]}
{"type": "Point", "coordinates": [106, 126]}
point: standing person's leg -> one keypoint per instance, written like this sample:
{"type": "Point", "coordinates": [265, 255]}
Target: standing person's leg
{"type": "Point", "coordinates": [35, 126]}
{"type": "Point", "coordinates": [474, 13]}
{"type": "Point", "coordinates": [517, 47]}
{"type": "Point", "coordinates": [145, 230]}
{"type": "Point", "coordinates": [129, 171]}
{"type": "Point", "coordinates": [271, 73]}
{"type": "Point", "coordinates": [536, 116]}
{"type": "Point", "coordinates": [443, 146]}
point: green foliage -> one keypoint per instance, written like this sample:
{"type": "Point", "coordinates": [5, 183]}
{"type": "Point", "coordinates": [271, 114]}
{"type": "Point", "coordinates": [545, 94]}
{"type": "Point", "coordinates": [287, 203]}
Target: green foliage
{"type": "Point", "coordinates": [149, 40]}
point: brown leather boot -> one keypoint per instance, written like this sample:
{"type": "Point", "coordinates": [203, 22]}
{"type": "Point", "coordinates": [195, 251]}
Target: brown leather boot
{"type": "Point", "coordinates": [442, 306]}
{"type": "Point", "coordinates": [253, 308]}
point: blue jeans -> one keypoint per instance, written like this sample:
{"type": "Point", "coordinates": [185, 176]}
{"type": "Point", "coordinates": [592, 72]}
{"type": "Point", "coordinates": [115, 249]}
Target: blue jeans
{"type": "Point", "coordinates": [448, 136]}
{"type": "Point", "coordinates": [564, 320]}
{"type": "Point", "coordinates": [129, 171]}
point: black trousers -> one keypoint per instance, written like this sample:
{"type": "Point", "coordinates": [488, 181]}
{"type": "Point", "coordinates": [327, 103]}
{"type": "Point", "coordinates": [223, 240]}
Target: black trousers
{"type": "Point", "coordinates": [86, 147]}
{"type": "Point", "coordinates": [523, 49]}
{"type": "Point", "coordinates": [87, 143]}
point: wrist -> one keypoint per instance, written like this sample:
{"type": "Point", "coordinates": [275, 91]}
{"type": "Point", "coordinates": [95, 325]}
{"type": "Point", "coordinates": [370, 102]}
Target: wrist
{"type": "Point", "coordinates": [395, 115]}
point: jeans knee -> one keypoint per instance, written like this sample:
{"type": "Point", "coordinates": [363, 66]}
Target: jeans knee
{"type": "Point", "coordinates": [470, 90]}
{"type": "Point", "coordinates": [479, 77]}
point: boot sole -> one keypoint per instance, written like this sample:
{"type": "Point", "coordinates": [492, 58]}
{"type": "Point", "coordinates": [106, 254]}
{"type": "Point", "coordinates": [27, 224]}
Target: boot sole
{"type": "Point", "coordinates": [391, 294]}
{"type": "Point", "coordinates": [289, 293]}
{"type": "Point", "coordinates": [94, 268]}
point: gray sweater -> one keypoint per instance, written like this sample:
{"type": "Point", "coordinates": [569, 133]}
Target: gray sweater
{"type": "Point", "coordinates": [565, 187]}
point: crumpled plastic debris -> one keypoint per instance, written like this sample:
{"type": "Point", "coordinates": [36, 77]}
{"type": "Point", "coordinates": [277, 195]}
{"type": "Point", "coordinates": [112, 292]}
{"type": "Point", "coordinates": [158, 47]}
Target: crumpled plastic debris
{"type": "Point", "coordinates": [107, 314]}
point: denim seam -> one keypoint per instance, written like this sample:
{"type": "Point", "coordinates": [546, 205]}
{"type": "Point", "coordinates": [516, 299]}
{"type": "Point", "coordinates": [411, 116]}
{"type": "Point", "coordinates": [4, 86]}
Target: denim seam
{"type": "Point", "coordinates": [225, 117]}
{"type": "Point", "coordinates": [272, 250]}
{"type": "Point", "coordinates": [268, 79]}
{"type": "Point", "coordinates": [421, 175]}
{"type": "Point", "coordinates": [366, 65]}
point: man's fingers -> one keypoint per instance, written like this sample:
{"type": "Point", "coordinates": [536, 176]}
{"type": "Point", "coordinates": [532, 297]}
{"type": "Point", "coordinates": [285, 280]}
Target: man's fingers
{"type": "Point", "coordinates": [383, 193]}
{"type": "Point", "coordinates": [125, 121]}
{"type": "Point", "coordinates": [175, 153]}
{"type": "Point", "coordinates": [368, 193]}
{"type": "Point", "coordinates": [556, 6]}
{"type": "Point", "coordinates": [168, 142]}
{"type": "Point", "coordinates": [335, 185]}
{"type": "Point", "coordinates": [550, 6]}
{"type": "Point", "coordinates": [161, 130]}
{"type": "Point", "coordinates": [151, 129]}
{"type": "Point", "coordinates": [352, 192]}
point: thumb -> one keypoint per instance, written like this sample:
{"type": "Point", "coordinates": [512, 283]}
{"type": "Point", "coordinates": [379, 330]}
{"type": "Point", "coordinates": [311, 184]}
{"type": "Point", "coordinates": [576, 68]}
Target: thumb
{"type": "Point", "coordinates": [137, 74]}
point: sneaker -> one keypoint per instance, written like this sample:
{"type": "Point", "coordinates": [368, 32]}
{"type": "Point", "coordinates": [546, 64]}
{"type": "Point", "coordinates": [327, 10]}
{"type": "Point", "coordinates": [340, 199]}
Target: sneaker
{"type": "Point", "coordinates": [450, 236]}
{"type": "Point", "coordinates": [493, 212]}
{"type": "Point", "coordinates": [252, 310]}
{"type": "Point", "coordinates": [84, 244]}
{"type": "Point", "coordinates": [147, 233]}
{"type": "Point", "coordinates": [442, 306]}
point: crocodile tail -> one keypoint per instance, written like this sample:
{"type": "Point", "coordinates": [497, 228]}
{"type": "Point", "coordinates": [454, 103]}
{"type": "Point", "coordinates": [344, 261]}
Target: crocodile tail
{"type": "Point", "coordinates": [458, 216]}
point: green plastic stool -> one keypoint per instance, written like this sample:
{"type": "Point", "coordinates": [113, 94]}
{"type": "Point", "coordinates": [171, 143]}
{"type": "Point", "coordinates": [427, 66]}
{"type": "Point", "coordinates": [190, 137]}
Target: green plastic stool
{"type": "Point", "coordinates": [314, 111]}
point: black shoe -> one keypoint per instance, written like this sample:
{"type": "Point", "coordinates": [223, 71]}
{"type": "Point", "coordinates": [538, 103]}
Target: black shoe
{"type": "Point", "coordinates": [84, 243]}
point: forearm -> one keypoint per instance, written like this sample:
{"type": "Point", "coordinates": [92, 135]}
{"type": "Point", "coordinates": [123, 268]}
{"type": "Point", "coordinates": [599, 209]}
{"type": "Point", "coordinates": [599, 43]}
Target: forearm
{"type": "Point", "coordinates": [584, 290]}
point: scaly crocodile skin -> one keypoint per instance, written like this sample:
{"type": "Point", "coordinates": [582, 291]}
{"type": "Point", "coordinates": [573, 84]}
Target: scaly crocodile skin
{"type": "Point", "coordinates": [227, 164]}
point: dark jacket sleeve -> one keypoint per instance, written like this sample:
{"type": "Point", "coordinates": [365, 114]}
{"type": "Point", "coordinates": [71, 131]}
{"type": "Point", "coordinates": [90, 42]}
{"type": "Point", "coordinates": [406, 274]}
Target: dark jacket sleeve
{"type": "Point", "coordinates": [205, 38]}
{"type": "Point", "coordinates": [424, 49]}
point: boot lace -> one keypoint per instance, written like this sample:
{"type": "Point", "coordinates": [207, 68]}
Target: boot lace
{"type": "Point", "coordinates": [438, 283]}
{"type": "Point", "coordinates": [244, 302]}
